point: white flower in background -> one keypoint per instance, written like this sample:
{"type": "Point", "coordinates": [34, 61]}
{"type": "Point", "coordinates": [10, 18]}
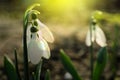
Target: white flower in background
{"type": "Point", "coordinates": [96, 35]}
{"type": "Point", "coordinates": [37, 46]}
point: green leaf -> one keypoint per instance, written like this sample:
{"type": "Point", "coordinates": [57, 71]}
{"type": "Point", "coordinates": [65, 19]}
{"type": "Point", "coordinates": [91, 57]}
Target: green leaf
{"type": "Point", "coordinates": [10, 69]}
{"type": "Point", "coordinates": [47, 75]}
{"type": "Point", "coordinates": [100, 63]}
{"type": "Point", "coordinates": [16, 65]}
{"type": "Point", "coordinates": [66, 61]}
{"type": "Point", "coordinates": [38, 71]}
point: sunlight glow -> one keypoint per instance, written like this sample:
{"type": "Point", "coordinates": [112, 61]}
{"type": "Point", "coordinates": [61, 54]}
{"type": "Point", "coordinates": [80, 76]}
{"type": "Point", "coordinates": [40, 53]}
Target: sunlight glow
{"type": "Point", "coordinates": [64, 5]}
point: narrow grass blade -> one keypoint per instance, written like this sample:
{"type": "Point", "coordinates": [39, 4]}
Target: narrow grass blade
{"type": "Point", "coordinates": [66, 61]}
{"type": "Point", "coordinates": [115, 50]}
{"type": "Point", "coordinates": [47, 75]}
{"type": "Point", "coordinates": [38, 71]}
{"type": "Point", "coordinates": [100, 63]}
{"type": "Point", "coordinates": [10, 69]}
{"type": "Point", "coordinates": [16, 65]}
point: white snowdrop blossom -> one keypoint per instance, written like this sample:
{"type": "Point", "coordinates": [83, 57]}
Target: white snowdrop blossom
{"type": "Point", "coordinates": [36, 42]}
{"type": "Point", "coordinates": [97, 35]}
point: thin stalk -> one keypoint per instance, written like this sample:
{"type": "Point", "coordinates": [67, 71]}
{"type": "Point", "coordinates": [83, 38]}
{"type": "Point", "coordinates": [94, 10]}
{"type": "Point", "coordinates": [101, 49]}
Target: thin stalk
{"type": "Point", "coordinates": [16, 64]}
{"type": "Point", "coordinates": [47, 75]}
{"type": "Point", "coordinates": [115, 50]}
{"type": "Point", "coordinates": [91, 53]}
{"type": "Point", "coordinates": [25, 53]}
{"type": "Point", "coordinates": [91, 61]}
{"type": "Point", "coordinates": [38, 70]}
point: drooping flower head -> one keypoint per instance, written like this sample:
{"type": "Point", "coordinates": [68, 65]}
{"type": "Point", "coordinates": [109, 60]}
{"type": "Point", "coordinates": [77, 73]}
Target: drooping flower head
{"type": "Point", "coordinates": [37, 35]}
{"type": "Point", "coordinates": [95, 33]}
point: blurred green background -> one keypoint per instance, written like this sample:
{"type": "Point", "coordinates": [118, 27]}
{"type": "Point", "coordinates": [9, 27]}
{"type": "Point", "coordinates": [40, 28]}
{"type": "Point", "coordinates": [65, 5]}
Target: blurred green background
{"type": "Point", "coordinates": [68, 20]}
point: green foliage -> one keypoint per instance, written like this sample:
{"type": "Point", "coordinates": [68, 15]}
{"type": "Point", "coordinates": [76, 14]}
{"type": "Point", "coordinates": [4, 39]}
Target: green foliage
{"type": "Point", "coordinates": [100, 63]}
{"type": "Point", "coordinates": [10, 69]}
{"type": "Point", "coordinates": [69, 65]}
{"type": "Point", "coordinates": [38, 71]}
{"type": "Point", "coordinates": [16, 65]}
{"type": "Point", "coordinates": [47, 75]}
{"type": "Point", "coordinates": [28, 12]}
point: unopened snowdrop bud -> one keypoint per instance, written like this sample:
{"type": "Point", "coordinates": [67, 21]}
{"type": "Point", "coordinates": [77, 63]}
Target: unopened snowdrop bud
{"type": "Point", "coordinates": [95, 33]}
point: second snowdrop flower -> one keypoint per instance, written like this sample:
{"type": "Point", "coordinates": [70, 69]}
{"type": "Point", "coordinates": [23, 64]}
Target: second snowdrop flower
{"type": "Point", "coordinates": [95, 33]}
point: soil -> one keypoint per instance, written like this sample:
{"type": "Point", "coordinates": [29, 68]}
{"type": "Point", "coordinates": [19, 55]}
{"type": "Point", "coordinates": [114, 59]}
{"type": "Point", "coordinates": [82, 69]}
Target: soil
{"type": "Point", "coordinates": [70, 39]}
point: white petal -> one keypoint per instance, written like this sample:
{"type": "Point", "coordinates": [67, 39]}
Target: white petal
{"type": "Point", "coordinates": [34, 52]}
{"type": "Point", "coordinates": [28, 33]}
{"type": "Point", "coordinates": [38, 49]}
{"type": "Point", "coordinates": [88, 39]}
{"type": "Point", "coordinates": [46, 53]}
{"type": "Point", "coordinates": [46, 33]}
{"type": "Point", "coordinates": [100, 37]}
{"type": "Point", "coordinates": [28, 37]}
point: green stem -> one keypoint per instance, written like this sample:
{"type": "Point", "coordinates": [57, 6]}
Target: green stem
{"type": "Point", "coordinates": [115, 50]}
{"type": "Point", "coordinates": [16, 64]}
{"type": "Point", "coordinates": [25, 24]}
{"type": "Point", "coordinates": [38, 70]}
{"type": "Point", "coordinates": [91, 61]}
{"type": "Point", "coordinates": [91, 54]}
{"type": "Point", "coordinates": [25, 54]}
{"type": "Point", "coordinates": [47, 75]}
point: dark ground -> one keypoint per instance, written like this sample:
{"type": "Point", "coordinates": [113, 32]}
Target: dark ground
{"type": "Point", "coordinates": [71, 42]}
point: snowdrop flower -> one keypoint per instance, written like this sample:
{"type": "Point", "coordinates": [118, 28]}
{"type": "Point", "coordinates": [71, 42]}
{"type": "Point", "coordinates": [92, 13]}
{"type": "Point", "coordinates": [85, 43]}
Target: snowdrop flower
{"type": "Point", "coordinates": [97, 35]}
{"type": "Point", "coordinates": [36, 41]}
